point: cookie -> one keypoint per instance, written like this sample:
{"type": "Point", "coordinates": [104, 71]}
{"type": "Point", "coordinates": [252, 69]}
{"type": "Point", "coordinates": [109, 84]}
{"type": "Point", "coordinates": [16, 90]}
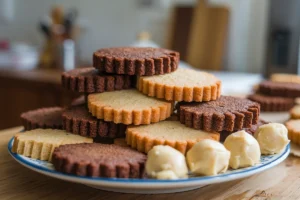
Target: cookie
{"type": "Point", "coordinates": [272, 103]}
{"type": "Point", "coordinates": [90, 80]}
{"type": "Point", "coordinates": [99, 160]}
{"type": "Point", "coordinates": [40, 143]}
{"type": "Point", "coordinates": [42, 118]}
{"type": "Point", "coordinates": [171, 133]}
{"type": "Point", "coordinates": [286, 78]}
{"type": "Point", "coordinates": [279, 89]}
{"type": "Point", "coordinates": [295, 112]}
{"type": "Point", "coordinates": [182, 85]}
{"type": "Point", "coordinates": [254, 127]}
{"type": "Point", "coordinates": [136, 60]}
{"type": "Point", "coordinates": [293, 127]}
{"type": "Point", "coordinates": [225, 114]}
{"type": "Point", "coordinates": [128, 107]}
{"type": "Point", "coordinates": [79, 121]}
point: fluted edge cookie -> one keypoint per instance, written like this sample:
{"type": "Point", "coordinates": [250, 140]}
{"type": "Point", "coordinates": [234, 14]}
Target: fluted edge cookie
{"type": "Point", "coordinates": [128, 107]}
{"type": "Point", "coordinates": [279, 89]}
{"type": "Point", "coordinates": [40, 143]}
{"type": "Point", "coordinates": [171, 133]}
{"type": "Point", "coordinates": [79, 121]}
{"type": "Point", "coordinates": [42, 118]}
{"type": "Point", "coordinates": [285, 78]}
{"type": "Point", "coordinates": [225, 114]}
{"type": "Point", "coordinates": [90, 80]}
{"type": "Point", "coordinates": [136, 60]}
{"type": "Point", "coordinates": [99, 160]}
{"type": "Point", "coordinates": [295, 112]}
{"type": "Point", "coordinates": [272, 103]}
{"type": "Point", "coordinates": [293, 127]}
{"type": "Point", "coordinates": [182, 85]}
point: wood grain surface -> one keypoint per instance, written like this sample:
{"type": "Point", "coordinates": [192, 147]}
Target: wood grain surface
{"type": "Point", "coordinates": [18, 182]}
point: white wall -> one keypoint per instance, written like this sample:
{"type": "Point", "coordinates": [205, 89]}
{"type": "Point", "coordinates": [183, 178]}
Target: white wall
{"type": "Point", "coordinates": [116, 23]}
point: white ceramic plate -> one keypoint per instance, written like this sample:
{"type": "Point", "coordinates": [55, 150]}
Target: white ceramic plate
{"type": "Point", "coordinates": [149, 186]}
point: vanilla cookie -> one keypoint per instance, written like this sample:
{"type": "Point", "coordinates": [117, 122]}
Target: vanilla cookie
{"type": "Point", "coordinates": [293, 127]}
{"type": "Point", "coordinates": [286, 78]}
{"type": "Point", "coordinates": [171, 133]}
{"type": "Point", "coordinates": [295, 112]}
{"type": "Point", "coordinates": [128, 107]}
{"type": "Point", "coordinates": [40, 143]}
{"type": "Point", "coordinates": [181, 85]}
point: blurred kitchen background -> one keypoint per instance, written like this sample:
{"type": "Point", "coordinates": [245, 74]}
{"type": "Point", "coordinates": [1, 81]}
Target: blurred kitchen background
{"type": "Point", "coordinates": [41, 38]}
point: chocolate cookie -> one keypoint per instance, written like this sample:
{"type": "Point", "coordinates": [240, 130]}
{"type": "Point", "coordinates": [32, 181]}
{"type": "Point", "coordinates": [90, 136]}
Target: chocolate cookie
{"type": "Point", "coordinates": [227, 113]}
{"type": "Point", "coordinates": [90, 80]}
{"type": "Point", "coordinates": [78, 120]}
{"type": "Point", "coordinates": [279, 89]}
{"type": "Point", "coordinates": [99, 160]}
{"type": "Point", "coordinates": [272, 103]}
{"type": "Point", "coordinates": [254, 127]}
{"type": "Point", "coordinates": [43, 118]}
{"type": "Point", "coordinates": [136, 60]}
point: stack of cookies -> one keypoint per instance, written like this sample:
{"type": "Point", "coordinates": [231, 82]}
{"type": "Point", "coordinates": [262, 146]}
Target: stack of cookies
{"type": "Point", "coordinates": [138, 94]}
{"type": "Point", "coordinates": [276, 96]}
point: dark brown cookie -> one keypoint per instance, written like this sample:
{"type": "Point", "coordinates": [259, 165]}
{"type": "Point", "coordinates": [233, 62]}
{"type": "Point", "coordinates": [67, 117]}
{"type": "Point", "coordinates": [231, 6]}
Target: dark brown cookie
{"type": "Point", "coordinates": [78, 120]}
{"type": "Point", "coordinates": [254, 127]}
{"type": "Point", "coordinates": [272, 103]}
{"type": "Point", "coordinates": [227, 113]}
{"type": "Point", "coordinates": [279, 89]}
{"type": "Point", "coordinates": [136, 60]}
{"type": "Point", "coordinates": [99, 160]}
{"type": "Point", "coordinates": [90, 80]}
{"type": "Point", "coordinates": [43, 118]}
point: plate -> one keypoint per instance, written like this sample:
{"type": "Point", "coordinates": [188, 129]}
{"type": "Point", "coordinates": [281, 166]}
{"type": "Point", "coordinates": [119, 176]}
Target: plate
{"type": "Point", "coordinates": [150, 186]}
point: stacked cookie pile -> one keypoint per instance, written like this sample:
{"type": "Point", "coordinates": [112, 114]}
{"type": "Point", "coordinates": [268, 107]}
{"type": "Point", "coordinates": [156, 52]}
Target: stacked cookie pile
{"type": "Point", "coordinates": [277, 94]}
{"type": "Point", "coordinates": [138, 94]}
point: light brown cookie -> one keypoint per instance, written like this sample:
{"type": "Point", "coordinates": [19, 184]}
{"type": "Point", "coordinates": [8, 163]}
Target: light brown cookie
{"type": "Point", "coordinates": [293, 127]}
{"type": "Point", "coordinates": [181, 85]}
{"type": "Point", "coordinates": [286, 78]}
{"type": "Point", "coordinates": [295, 112]}
{"type": "Point", "coordinates": [128, 107]}
{"type": "Point", "coordinates": [40, 143]}
{"type": "Point", "coordinates": [171, 133]}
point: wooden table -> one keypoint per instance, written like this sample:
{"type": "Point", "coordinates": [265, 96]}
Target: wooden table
{"type": "Point", "coordinates": [18, 182]}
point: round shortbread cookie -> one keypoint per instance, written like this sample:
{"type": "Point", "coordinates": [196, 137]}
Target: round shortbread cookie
{"type": "Point", "coordinates": [136, 60]}
{"type": "Point", "coordinates": [295, 112]}
{"type": "Point", "coordinates": [279, 89]}
{"type": "Point", "coordinates": [40, 143]}
{"type": "Point", "coordinates": [171, 133]}
{"type": "Point", "coordinates": [78, 120]}
{"type": "Point", "coordinates": [286, 78]}
{"type": "Point", "coordinates": [293, 127]}
{"type": "Point", "coordinates": [99, 160]}
{"type": "Point", "coordinates": [128, 107]}
{"type": "Point", "coordinates": [181, 85]}
{"type": "Point", "coordinates": [272, 103]}
{"type": "Point", "coordinates": [90, 80]}
{"type": "Point", "coordinates": [225, 114]}
{"type": "Point", "coordinates": [42, 118]}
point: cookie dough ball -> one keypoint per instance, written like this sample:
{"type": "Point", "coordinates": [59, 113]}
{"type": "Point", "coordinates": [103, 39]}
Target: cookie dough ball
{"type": "Point", "coordinates": [165, 162]}
{"type": "Point", "coordinates": [244, 149]}
{"type": "Point", "coordinates": [272, 138]}
{"type": "Point", "coordinates": [208, 157]}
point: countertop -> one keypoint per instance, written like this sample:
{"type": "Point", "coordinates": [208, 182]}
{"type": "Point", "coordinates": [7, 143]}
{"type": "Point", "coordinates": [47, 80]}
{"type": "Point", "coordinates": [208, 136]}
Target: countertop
{"type": "Point", "coordinates": [18, 182]}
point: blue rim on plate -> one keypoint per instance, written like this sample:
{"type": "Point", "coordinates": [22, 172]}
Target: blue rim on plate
{"type": "Point", "coordinates": [273, 160]}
